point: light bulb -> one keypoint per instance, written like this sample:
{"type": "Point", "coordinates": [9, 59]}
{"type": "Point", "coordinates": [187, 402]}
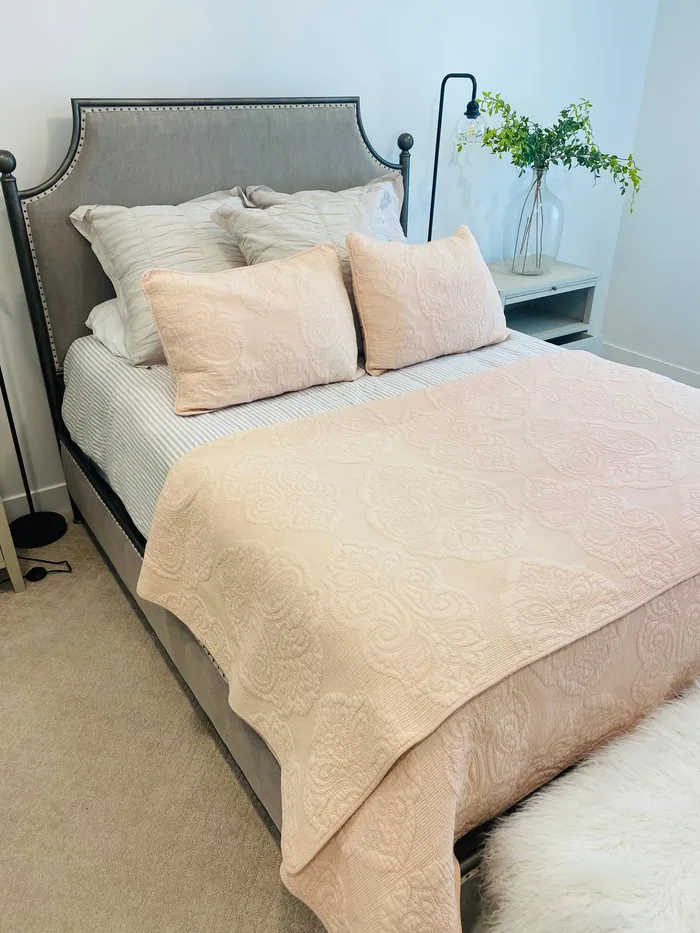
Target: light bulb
{"type": "Point", "coordinates": [474, 128]}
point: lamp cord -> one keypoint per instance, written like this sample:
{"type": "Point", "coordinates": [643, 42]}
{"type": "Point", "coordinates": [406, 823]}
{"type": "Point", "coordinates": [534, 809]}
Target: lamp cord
{"type": "Point", "coordinates": [34, 574]}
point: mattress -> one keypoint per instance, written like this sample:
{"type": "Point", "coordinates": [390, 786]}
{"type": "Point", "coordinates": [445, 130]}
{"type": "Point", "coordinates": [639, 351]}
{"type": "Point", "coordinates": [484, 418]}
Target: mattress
{"type": "Point", "coordinates": [122, 416]}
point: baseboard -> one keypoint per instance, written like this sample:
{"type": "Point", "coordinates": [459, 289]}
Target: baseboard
{"type": "Point", "coordinates": [620, 355]}
{"type": "Point", "coordinates": [50, 499]}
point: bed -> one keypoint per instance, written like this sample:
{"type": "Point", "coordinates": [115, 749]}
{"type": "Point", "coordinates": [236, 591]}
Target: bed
{"type": "Point", "coordinates": [583, 692]}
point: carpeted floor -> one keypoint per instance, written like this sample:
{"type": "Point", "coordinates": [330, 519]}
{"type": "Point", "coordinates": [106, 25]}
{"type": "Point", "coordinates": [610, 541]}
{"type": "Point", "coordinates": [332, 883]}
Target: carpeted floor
{"type": "Point", "coordinates": [120, 810]}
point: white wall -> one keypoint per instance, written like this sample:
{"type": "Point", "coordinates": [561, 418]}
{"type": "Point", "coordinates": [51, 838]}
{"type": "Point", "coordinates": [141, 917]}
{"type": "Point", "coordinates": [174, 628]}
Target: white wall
{"type": "Point", "coordinates": [541, 55]}
{"type": "Point", "coordinates": [653, 313]}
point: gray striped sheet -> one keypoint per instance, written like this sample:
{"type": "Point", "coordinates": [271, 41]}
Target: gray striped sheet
{"type": "Point", "coordinates": [122, 416]}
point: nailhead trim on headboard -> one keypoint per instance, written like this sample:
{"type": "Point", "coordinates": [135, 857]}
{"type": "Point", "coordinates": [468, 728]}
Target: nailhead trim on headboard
{"type": "Point", "coordinates": [139, 109]}
{"type": "Point", "coordinates": [59, 368]}
{"type": "Point", "coordinates": [87, 110]}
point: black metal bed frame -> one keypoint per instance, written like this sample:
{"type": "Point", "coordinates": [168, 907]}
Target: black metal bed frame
{"type": "Point", "coordinates": [13, 197]}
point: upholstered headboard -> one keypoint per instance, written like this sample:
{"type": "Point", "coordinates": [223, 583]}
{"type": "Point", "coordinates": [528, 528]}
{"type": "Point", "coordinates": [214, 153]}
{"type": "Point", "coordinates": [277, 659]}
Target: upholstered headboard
{"type": "Point", "coordinates": [166, 152]}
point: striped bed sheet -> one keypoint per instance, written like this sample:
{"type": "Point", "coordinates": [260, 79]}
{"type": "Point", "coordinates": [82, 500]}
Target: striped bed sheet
{"type": "Point", "coordinates": [122, 416]}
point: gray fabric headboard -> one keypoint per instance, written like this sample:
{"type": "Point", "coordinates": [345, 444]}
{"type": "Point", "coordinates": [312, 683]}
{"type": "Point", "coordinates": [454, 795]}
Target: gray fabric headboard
{"type": "Point", "coordinates": [166, 152]}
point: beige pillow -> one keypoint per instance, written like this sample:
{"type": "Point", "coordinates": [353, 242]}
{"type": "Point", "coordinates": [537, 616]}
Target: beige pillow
{"type": "Point", "coordinates": [419, 302]}
{"type": "Point", "coordinates": [291, 223]}
{"type": "Point", "coordinates": [391, 184]}
{"type": "Point", "coordinates": [231, 337]}
{"type": "Point", "coordinates": [130, 240]}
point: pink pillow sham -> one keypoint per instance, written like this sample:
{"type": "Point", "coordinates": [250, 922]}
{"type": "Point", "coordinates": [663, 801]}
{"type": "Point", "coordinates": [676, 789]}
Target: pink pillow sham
{"type": "Point", "coordinates": [254, 332]}
{"type": "Point", "coordinates": [419, 302]}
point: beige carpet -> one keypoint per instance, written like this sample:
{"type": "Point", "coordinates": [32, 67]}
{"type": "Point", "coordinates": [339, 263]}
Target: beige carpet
{"type": "Point", "coordinates": [120, 810]}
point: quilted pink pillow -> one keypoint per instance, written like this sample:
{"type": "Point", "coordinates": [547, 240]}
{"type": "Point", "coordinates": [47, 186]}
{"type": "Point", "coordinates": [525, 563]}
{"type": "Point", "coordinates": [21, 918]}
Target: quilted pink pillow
{"type": "Point", "coordinates": [419, 302]}
{"type": "Point", "coordinates": [253, 332]}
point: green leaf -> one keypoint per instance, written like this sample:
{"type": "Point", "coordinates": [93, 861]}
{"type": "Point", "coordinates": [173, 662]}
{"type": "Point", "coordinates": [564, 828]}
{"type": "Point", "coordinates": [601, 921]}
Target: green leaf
{"type": "Point", "coordinates": [568, 142]}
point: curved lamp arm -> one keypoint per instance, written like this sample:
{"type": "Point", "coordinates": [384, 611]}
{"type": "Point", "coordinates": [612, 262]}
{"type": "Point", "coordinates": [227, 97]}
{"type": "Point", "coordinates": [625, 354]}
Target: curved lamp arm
{"type": "Point", "coordinates": [472, 112]}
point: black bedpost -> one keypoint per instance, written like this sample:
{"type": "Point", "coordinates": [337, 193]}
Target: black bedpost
{"type": "Point", "coordinates": [35, 529]}
{"type": "Point", "coordinates": [23, 250]}
{"type": "Point", "coordinates": [405, 142]}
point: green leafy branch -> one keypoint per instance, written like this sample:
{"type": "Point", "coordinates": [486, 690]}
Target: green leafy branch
{"type": "Point", "coordinates": [568, 142]}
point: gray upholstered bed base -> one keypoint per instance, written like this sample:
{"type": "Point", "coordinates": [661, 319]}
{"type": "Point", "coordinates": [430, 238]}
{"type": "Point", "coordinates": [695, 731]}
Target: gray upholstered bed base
{"type": "Point", "coordinates": [197, 668]}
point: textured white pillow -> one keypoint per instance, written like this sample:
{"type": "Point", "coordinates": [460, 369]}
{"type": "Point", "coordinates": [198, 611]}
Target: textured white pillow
{"type": "Point", "coordinates": [129, 241]}
{"type": "Point", "coordinates": [292, 223]}
{"type": "Point", "coordinates": [107, 326]}
{"type": "Point", "coordinates": [262, 196]}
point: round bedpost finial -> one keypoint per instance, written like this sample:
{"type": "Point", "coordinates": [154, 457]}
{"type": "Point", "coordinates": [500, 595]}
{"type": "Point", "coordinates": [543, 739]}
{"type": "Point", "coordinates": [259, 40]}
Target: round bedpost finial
{"type": "Point", "coordinates": [405, 142]}
{"type": "Point", "coordinates": [8, 162]}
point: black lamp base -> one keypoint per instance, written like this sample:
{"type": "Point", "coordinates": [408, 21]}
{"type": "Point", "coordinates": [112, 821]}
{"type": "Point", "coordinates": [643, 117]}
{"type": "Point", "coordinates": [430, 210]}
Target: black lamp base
{"type": "Point", "coordinates": [38, 529]}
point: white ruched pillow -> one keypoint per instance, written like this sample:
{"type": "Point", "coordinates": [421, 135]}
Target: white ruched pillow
{"type": "Point", "coordinates": [130, 240]}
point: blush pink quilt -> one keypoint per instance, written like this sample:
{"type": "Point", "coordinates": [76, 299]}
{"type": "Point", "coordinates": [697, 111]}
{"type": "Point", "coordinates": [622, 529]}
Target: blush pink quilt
{"type": "Point", "coordinates": [430, 604]}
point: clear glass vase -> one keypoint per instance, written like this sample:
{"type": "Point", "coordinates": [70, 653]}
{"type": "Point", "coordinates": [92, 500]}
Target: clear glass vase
{"type": "Point", "coordinates": [534, 222]}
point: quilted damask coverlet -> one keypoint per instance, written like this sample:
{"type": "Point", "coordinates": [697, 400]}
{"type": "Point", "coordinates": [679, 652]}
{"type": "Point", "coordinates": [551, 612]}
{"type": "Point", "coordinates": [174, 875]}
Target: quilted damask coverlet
{"type": "Point", "coordinates": [390, 587]}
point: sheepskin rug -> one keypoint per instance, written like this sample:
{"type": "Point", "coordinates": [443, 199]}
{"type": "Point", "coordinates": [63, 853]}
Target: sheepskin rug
{"type": "Point", "coordinates": [611, 847]}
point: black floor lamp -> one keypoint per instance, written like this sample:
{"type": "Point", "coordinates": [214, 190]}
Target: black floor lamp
{"type": "Point", "coordinates": [37, 528]}
{"type": "Point", "coordinates": [474, 130]}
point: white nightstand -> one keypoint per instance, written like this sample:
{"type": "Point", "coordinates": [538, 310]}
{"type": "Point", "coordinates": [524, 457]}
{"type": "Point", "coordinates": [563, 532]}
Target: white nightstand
{"type": "Point", "coordinates": [8, 555]}
{"type": "Point", "coordinates": [555, 306]}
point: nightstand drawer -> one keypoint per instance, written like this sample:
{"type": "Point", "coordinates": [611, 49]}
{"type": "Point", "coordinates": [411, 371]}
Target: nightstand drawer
{"type": "Point", "coordinates": [552, 306]}
{"type": "Point", "coordinates": [514, 297]}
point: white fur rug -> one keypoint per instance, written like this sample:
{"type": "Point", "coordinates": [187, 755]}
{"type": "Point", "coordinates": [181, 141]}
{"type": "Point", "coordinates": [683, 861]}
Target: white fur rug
{"type": "Point", "coordinates": [612, 847]}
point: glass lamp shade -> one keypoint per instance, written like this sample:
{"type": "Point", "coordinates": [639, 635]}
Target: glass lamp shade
{"type": "Point", "coordinates": [469, 130]}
